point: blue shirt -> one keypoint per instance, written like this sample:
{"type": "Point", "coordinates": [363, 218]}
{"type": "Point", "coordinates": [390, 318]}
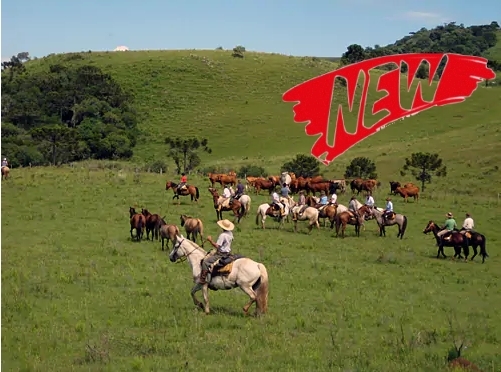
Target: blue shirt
{"type": "Point", "coordinates": [323, 200]}
{"type": "Point", "coordinates": [389, 206]}
{"type": "Point", "coordinates": [284, 191]}
{"type": "Point", "coordinates": [240, 188]}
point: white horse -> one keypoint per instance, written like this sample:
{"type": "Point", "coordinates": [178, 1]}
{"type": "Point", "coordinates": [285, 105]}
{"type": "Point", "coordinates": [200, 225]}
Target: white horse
{"type": "Point", "coordinates": [249, 275]}
{"type": "Point", "coordinates": [310, 214]}
{"type": "Point", "coordinates": [265, 210]}
{"type": "Point", "coordinates": [285, 178]}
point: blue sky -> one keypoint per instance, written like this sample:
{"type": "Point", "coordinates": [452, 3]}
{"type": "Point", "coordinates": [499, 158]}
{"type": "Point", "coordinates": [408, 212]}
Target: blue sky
{"type": "Point", "coordinates": [315, 27]}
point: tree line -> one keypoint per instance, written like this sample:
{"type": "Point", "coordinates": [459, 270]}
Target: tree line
{"type": "Point", "coordinates": [447, 38]}
{"type": "Point", "coordinates": [64, 113]}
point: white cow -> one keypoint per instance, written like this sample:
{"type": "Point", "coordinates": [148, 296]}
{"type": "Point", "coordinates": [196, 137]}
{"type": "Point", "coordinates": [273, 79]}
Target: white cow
{"type": "Point", "coordinates": [285, 178]}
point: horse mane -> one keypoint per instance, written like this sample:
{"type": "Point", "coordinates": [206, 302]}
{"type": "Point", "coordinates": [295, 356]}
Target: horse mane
{"type": "Point", "coordinates": [193, 244]}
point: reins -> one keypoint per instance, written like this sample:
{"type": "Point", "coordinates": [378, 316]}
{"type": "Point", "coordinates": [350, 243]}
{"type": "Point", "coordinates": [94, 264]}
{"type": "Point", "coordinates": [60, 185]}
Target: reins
{"type": "Point", "coordinates": [185, 257]}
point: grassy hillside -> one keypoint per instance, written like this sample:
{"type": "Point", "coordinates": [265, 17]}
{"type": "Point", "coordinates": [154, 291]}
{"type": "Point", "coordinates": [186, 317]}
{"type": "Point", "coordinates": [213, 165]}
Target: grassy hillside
{"type": "Point", "coordinates": [237, 105]}
{"type": "Point", "coordinates": [78, 295]}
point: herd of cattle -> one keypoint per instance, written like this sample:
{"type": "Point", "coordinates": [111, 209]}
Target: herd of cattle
{"type": "Point", "coordinates": [313, 184]}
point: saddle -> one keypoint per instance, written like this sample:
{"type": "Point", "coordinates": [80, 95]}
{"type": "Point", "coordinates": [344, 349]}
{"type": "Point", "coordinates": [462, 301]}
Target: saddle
{"type": "Point", "coordinates": [225, 203]}
{"type": "Point", "coordinates": [322, 207]}
{"type": "Point", "coordinates": [225, 264]}
{"type": "Point", "coordinates": [390, 216]}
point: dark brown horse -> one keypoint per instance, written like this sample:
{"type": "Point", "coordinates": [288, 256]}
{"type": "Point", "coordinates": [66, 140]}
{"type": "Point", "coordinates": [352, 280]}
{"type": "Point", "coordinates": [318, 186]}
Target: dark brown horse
{"type": "Point", "coordinates": [185, 191]}
{"type": "Point", "coordinates": [476, 240]}
{"type": "Point", "coordinates": [220, 205]}
{"type": "Point", "coordinates": [152, 226]}
{"type": "Point", "coordinates": [451, 239]}
{"type": "Point", "coordinates": [138, 222]}
{"type": "Point", "coordinates": [348, 218]}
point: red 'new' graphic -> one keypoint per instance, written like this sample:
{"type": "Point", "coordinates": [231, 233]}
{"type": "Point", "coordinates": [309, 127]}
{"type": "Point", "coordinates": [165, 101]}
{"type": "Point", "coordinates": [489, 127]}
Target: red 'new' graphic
{"type": "Point", "coordinates": [459, 80]}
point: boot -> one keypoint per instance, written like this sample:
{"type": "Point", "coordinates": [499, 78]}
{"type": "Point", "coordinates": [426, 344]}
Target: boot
{"type": "Point", "coordinates": [203, 276]}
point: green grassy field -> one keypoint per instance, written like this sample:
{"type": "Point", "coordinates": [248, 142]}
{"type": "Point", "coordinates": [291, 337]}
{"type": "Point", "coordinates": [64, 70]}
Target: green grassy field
{"type": "Point", "coordinates": [78, 295]}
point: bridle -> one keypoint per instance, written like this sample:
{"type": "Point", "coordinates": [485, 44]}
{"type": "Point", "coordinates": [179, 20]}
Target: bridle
{"type": "Point", "coordinates": [185, 257]}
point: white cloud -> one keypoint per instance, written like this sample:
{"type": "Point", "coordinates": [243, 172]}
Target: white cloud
{"type": "Point", "coordinates": [424, 16]}
{"type": "Point", "coordinates": [5, 59]}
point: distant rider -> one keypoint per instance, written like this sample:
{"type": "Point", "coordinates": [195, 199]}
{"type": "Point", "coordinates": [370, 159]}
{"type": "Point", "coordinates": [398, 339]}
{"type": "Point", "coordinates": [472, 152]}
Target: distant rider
{"type": "Point", "coordinates": [369, 200]}
{"type": "Point", "coordinates": [352, 206]}
{"type": "Point", "coordinates": [275, 200]}
{"type": "Point", "coordinates": [5, 163]}
{"type": "Point", "coordinates": [183, 181]}
{"type": "Point", "coordinates": [388, 211]}
{"type": "Point", "coordinates": [333, 200]}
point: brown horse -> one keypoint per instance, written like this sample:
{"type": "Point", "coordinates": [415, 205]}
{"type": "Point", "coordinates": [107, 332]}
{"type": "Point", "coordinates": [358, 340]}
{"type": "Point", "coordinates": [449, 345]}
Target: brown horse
{"type": "Point", "coordinates": [5, 172]}
{"type": "Point", "coordinates": [185, 191]}
{"type": "Point", "coordinates": [329, 211]}
{"type": "Point", "coordinates": [476, 240]}
{"type": "Point", "coordinates": [451, 239]}
{"type": "Point", "coordinates": [138, 222]}
{"type": "Point", "coordinates": [347, 218]}
{"type": "Point", "coordinates": [151, 224]}
{"type": "Point", "coordinates": [168, 232]}
{"type": "Point", "coordinates": [236, 207]}
{"type": "Point", "coordinates": [193, 227]}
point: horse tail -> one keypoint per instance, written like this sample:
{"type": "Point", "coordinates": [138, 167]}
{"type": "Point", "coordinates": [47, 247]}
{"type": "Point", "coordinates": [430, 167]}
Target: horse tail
{"type": "Point", "coordinates": [257, 217]}
{"type": "Point", "coordinates": [200, 229]}
{"type": "Point", "coordinates": [242, 210]}
{"type": "Point", "coordinates": [261, 289]}
{"type": "Point", "coordinates": [198, 192]}
{"type": "Point", "coordinates": [404, 226]}
{"type": "Point", "coordinates": [483, 251]}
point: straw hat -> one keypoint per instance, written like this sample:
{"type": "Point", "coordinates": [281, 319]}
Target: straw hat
{"type": "Point", "coordinates": [449, 214]}
{"type": "Point", "coordinates": [226, 225]}
{"type": "Point", "coordinates": [388, 199]}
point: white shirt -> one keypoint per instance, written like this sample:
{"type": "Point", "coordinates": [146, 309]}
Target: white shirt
{"type": "Point", "coordinates": [4, 163]}
{"type": "Point", "coordinates": [369, 201]}
{"type": "Point", "coordinates": [468, 223]}
{"type": "Point", "coordinates": [226, 192]}
{"type": "Point", "coordinates": [224, 241]}
{"type": "Point", "coordinates": [389, 206]}
{"type": "Point", "coordinates": [275, 197]}
{"type": "Point", "coordinates": [333, 198]}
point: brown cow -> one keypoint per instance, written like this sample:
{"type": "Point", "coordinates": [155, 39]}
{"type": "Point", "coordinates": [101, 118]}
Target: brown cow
{"type": "Point", "coordinates": [395, 184]}
{"type": "Point", "coordinates": [262, 184]}
{"type": "Point", "coordinates": [359, 184]}
{"type": "Point", "coordinates": [225, 179]}
{"type": "Point", "coordinates": [275, 180]}
{"type": "Point", "coordinates": [405, 192]}
{"type": "Point", "coordinates": [317, 179]}
{"type": "Point", "coordinates": [318, 187]}
{"type": "Point", "coordinates": [214, 177]}
{"type": "Point", "coordinates": [356, 185]}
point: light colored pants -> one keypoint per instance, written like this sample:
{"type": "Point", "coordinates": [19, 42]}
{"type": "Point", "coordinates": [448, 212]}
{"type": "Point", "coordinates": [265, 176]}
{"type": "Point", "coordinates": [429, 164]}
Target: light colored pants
{"type": "Point", "coordinates": [443, 232]}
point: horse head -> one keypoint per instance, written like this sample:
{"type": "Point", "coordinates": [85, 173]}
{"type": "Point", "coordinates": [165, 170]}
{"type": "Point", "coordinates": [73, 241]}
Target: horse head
{"type": "Point", "coordinates": [132, 211]}
{"type": "Point", "coordinates": [176, 253]}
{"type": "Point", "coordinates": [429, 227]}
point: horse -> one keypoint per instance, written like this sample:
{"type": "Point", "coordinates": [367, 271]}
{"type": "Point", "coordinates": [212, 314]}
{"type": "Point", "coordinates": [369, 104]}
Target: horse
{"type": "Point", "coordinates": [138, 222]}
{"type": "Point", "coordinates": [151, 224]}
{"type": "Point", "coordinates": [454, 239]}
{"type": "Point", "coordinates": [476, 240]}
{"type": "Point", "coordinates": [328, 211]}
{"type": "Point", "coordinates": [221, 205]}
{"type": "Point", "coordinates": [348, 218]}
{"type": "Point", "coordinates": [5, 172]}
{"type": "Point", "coordinates": [310, 214]}
{"type": "Point", "coordinates": [244, 199]}
{"type": "Point", "coordinates": [193, 227]}
{"type": "Point", "coordinates": [398, 219]}
{"type": "Point", "coordinates": [168, 232]}
{"type": "Point", "coordinates": [249, 275]}
{"type": "Point", "coordinates": [266, 209]}
{"type": "Point", "coordinates": [185, 191]}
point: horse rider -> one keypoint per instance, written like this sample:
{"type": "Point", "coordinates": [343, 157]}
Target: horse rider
{"type": "Point", "coordinates": [352, 206]}
{"type": "Point", "coordinates": [275, 200]}
{"type": "Point", "coordinates": [223, 249]}
{"type": "Point", "coordinates": [388, 211]}
{"type": "Point", "coordinates": [369, 200]}
{"type": "Point", "coordinates": [333, 200]}
{"type": "Point", "coordinates": [226, 192]}
{"type": "Point", "coordinates": [468, 224]}
{"type": "Point", "coordinates": [5, 163]}
{"type": "Point", "coordinates": [183, 181]}
{"type": "Point", "coordinates": [301, 202]}
{"type": "Point", "coordinates": [240, 190]}
{"type": "Point", "coordinates": [450, 225]}
{"type": "Point", "coordinates": [284, 192]}
{"type": "Point", "coordinates": [323, 200]}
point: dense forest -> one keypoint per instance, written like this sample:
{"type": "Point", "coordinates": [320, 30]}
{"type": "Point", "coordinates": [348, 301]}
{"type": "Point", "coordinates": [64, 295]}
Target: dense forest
{"type": "Point", "coordinates": [64, 114]}
{"type": "Point", "coordinates": [448, 38]}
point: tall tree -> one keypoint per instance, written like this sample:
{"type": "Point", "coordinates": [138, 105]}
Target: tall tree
{"type": "Point", "coordinates": [423, 166]}
{"type": "Point", "coordinates": [60, 139]}
{"type": "Point", "coordinates": [302, 166]}
{"type": "Point", "coordinates": [361, 168]}
{"type": "Point", "coordinates": [184, 152]}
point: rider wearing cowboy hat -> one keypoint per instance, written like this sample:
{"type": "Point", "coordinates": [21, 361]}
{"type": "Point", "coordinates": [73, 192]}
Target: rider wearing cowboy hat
{"type": "Point", "coordinates": [388, 211]}
{"type": "Point", "coordinates": [450, 224]}
{"type": "Point", "coordinates": [223, 248]}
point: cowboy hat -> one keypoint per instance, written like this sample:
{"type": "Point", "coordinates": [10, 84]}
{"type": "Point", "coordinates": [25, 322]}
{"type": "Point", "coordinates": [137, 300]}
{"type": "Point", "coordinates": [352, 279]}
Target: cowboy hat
{"type": "Point", "coordinates": [226, 225]}
{"type": "Point", "coordinates": [449, 214]}
{"type": "Point", "coordinates": [468, 215]}
{"type": "Point", "coordinates": [388, 199]}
